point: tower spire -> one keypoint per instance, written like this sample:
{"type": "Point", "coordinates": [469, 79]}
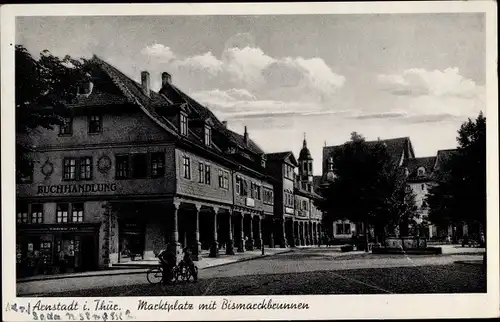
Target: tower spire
{"type": "Point", "coordinates": [304, 144]}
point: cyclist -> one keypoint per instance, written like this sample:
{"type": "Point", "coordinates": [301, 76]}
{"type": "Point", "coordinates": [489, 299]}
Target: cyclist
{"type": "Point", "coordinates": [168, 261]}
{"type": "Point", "coordinates": [188, 262]}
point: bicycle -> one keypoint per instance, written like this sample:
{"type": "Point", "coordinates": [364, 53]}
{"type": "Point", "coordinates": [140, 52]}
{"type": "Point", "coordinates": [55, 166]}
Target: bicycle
{"type": "Point", "coordinates": [155, 274]}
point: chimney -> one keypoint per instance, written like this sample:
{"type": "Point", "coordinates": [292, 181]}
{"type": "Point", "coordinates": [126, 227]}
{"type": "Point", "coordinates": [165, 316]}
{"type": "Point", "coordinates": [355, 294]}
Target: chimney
{"type": "Point", "coordinates": [166, 78]}
{"type": "Point", "coordinates": [146, 87]}
{"type": "Point", "coordinates": [224, 123]}
{"type": "Point", "coordinates": [245, 135]}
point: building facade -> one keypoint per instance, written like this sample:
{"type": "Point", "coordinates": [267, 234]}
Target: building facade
{"type": "Point", "coordinates": [133, 171]}
{"type": "Point", "coordinates": [296, 198]}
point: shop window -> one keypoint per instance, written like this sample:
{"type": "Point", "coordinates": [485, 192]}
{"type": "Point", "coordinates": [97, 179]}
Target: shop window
{"type": "Point", "coordinates": [46, 252]}
{"type": "Point", "coordinates": [62, 213]}
{"type": "Point", "coordinates": [157, 164]}
{"type": "Point", "coordinates": [186, 164]}
{"type": "Point", "coordinates": [122, 167]}
{"type": "Point", "coordinates": [37, 214]}
{"type": "Point", "coordinates": [77, 212]}
{"type": "Point", "coordinates": [139, 165]}
{"type": "Point", "coordinates": [201, 172]}
{"type": "Point", "coordinates": [67, 127]}
{"type": "Point", "coordinates": [22, 214]}
{"type": "Point", "coordinates": [95, 124]}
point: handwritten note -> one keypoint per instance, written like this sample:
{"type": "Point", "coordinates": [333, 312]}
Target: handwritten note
{"type": "Point", "coordinates": [89, 310]}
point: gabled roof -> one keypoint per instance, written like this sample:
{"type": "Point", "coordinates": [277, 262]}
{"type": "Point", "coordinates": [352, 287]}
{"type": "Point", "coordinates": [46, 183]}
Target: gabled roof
{"type": "Point", "coordinates": [414, 164]}
{"type": "Point", "coordinates": [282, 156]}
{"type": "Point", "coordinates": [395, 147]}
{"type": "Point", "coordinates": [443, 156]}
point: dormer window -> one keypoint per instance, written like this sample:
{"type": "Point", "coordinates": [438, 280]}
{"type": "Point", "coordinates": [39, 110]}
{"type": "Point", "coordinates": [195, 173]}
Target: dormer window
{"type": "Point", "coordinates": [184, 124]}
{"type": "Point", "coordinates": [208, 135]}
{"type": "Point", "coordinates": [263, 161]}
{"type": "Point", "coordinates": [421, 171]}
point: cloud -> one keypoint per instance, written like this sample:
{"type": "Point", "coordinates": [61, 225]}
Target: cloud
{"type": "Point", "coordinates": [434, 93]}
{"type": "Point", "coordinates": [243, 65]}
{"type": "Point", "coordinates": [160, 52]}
{"type": "Point", "coordinates": [206, 63]}
{"type": "Point", "coordinates": [418, 82]}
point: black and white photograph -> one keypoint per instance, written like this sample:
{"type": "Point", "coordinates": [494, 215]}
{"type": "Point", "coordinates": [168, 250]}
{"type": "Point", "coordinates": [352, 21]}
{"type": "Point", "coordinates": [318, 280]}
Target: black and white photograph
{"type": "Point", "coordinates": [175, 156]}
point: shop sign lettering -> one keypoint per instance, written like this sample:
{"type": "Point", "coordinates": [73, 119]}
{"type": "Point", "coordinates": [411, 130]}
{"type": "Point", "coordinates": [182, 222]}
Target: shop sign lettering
{"type": "Point", "coordinates": [76, 188]}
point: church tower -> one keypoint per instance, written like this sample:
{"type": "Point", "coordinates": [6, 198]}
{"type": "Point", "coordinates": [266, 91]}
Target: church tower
{"type": "Point", "coordinates": [305, 167]}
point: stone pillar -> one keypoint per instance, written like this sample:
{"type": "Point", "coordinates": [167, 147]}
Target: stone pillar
{"type": "Point", "coordinates": [214, 247]}
{"type": "Point", "coordinates": [241, 244]}
{"type": "Point", "coordinates": [283, 242]}
{"type": "Point", "coordinates": [296, 233]}
{"type": "Point", "coordinates": [318, 232]}
{"type": "Point", "coordinates": [250, 242]}
{"type": "Point", "coordinates": [230, 244]}
{"type": "Point", "coordinates": [291, 228]}
{"type": "Point", "coordinates": [196, 247]}
{"type": "Point", "coordinates": [271, 233]}
{"type": "Point", "coordinates": [301, 233]}
{"type": "Point", "coordinates": [258, 233]}
{"type": "Point", "coordinates": [174, 245]}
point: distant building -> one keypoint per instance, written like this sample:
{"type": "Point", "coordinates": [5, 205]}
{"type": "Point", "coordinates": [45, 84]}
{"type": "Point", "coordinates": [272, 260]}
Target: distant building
{"type": "Point", "coordinates": [400, 149]}
{"type": "Point", "coordinates": [295, 198]}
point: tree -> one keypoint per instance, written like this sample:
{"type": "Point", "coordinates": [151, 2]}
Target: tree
{"type": "Point", "coordinates": [43, 87]}
{"type": "Point", "coordinates": [459, 193]}
{"type": "Point", "coordinates": [368, 187]}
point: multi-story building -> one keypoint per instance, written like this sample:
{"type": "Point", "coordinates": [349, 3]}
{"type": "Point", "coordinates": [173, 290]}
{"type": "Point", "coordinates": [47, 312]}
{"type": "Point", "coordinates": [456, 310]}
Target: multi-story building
{"type": "Point", "coordinates": [295, 198]}
{"type": "Point", "coordinates": [132, 171]}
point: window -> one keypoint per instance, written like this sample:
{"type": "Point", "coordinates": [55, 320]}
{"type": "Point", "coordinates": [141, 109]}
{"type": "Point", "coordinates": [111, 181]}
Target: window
{"type": "Point", "coordinates": [257, 192]}
{"type": "Point", "coordinates": [77, 168]}
{"type": "Point", "coordinates": [139, 165]}
{"type": "Point", "coordinates": [421, 171]}
{"type": "Point", "coordinates": [304, 205]}
{"type": "Point", "coordinates": [157, 164]}
{"type": "Point", "coordinates": [184, 124]}
{"type": "Point", "coordinates": [310, 167]}
{"type": "Point", "coordinates": [67, 127]}
{"type": "Point", "coordinates": [37, 214]}
{"type": "Point", "coordinates": [95, 124]}
{"type": "Point", "coordinates": [238, 185]}
{"type": "Point", "coordinates": [268, 196]}
{"type": "Point", "coordinates": [305, 166]}
{"type": "Point", "coordinates": [186, 164]}
{"type": "Point", "coordinates": [289, 200]}
{"type": "Point", "coordinates": [22, 214]}
{"type": "Point", "coordinates": [289, 172]}
{"type": "Point", "coordinates": [86, 168]}
{"type": "Point", "coordinates": [244, 185]}
{"type": "Point", "coordinates": [77, 212]}
{"type": "Point", "coordinates": [62, 211]}
{"type": "Point", "coordinates": [201, 172]}
{"type": "Point", "coordinates": [122, 167]}
{"type": "Point", "coordinates": [69, 169]}
{"type": "Point", "coordinates": [343, 229]}
{"type": "Point", "coordinates": [207, 174]}
{"type": "Point", "coordinates": [208, 135]}
{"type": "Point", "coordinates": [223, 179]}
{"type": "Point", "coordinates": [25, 175]}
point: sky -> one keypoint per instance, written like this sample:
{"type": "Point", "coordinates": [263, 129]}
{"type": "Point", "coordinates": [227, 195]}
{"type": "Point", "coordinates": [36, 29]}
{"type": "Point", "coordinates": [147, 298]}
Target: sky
{"type": "Point", "coordinates": [286, 76]}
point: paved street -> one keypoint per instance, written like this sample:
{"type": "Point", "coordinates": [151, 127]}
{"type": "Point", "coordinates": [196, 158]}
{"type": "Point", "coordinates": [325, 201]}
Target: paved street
{"type": "Point", "coordinates": [303, 271]}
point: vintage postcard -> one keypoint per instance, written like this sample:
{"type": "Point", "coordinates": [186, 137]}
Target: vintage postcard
{"type": "Point", "coordinates": [249, 161]}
